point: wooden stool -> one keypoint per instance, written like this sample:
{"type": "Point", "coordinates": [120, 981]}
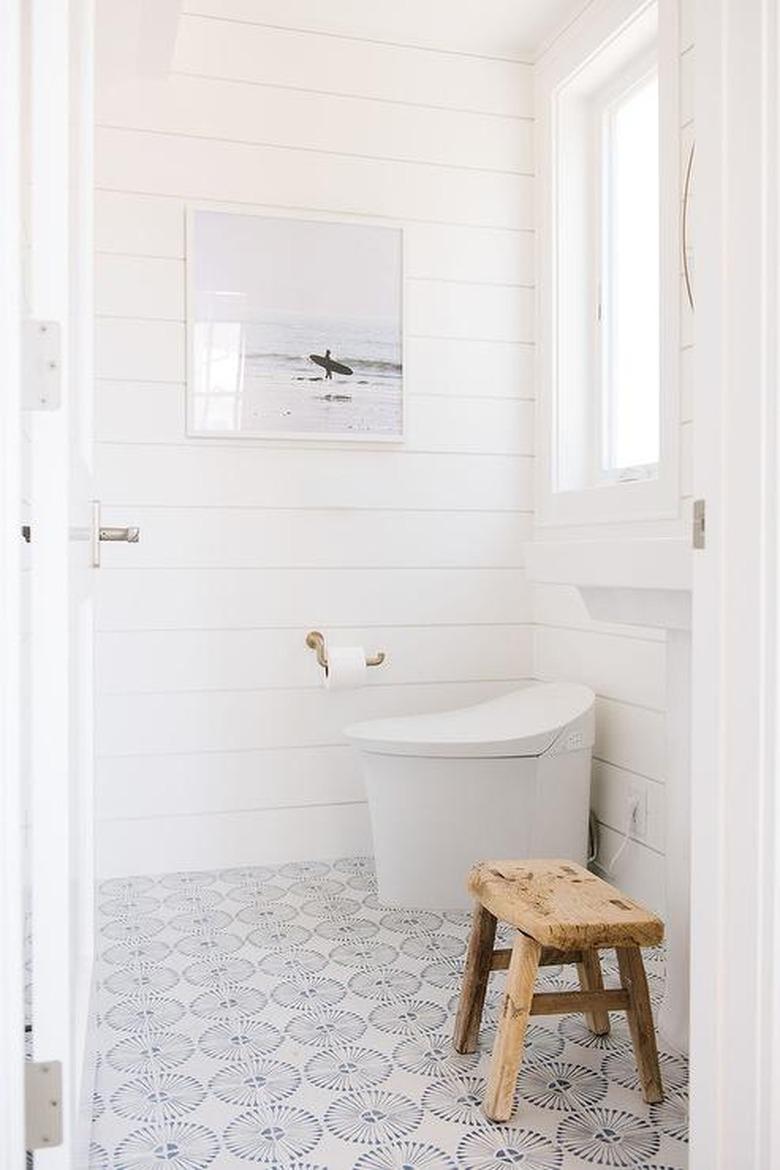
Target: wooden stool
{"type": "Point", "coordinates": [563, 914]}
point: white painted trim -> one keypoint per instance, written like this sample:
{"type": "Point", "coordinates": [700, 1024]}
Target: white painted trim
{"type": "Point", "coordinates": [225, 838]}
{"type": "Point", "coordinates": [11, 788]}
{"type": "Point", "coordinates": [82, 456]}
{"type": "Point", "coordinates": [735, 993]}
{"type": "Point", "coordinates": [612, 503]}
{"type": "Point", "coordinates": [61, 191]}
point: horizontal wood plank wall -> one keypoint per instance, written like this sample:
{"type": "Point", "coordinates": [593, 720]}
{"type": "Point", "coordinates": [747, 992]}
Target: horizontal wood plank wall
{"type": "Point", "coordinates": [626, 666]}
{"type": "Point", "coordinates": [217, 744]}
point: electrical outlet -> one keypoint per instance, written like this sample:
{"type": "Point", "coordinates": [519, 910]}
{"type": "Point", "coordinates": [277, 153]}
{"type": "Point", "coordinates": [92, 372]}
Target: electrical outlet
{"type": "Point", "coordinates": [637, 809]}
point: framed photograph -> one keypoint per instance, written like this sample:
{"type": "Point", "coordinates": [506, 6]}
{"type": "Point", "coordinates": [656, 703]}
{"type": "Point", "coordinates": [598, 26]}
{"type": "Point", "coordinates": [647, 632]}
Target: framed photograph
{"type": "Point", "coordinates": [294, 328]}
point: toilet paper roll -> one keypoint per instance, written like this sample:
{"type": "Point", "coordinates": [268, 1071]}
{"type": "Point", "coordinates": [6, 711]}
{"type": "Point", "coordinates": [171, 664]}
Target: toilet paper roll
{"type": "Point", "coordinates": [346, 667]}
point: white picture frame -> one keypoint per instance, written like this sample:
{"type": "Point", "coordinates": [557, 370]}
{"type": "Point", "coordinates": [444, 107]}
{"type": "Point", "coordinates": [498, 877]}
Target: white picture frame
{"type": "Point", "coordinates": [295, 327]}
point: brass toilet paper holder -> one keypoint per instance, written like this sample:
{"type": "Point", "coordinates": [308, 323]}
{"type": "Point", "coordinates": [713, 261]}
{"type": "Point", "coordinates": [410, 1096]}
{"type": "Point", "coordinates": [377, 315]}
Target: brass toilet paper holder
{"type": "Point", "coordinates": [316, 642]}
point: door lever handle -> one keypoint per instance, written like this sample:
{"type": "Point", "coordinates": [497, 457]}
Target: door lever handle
{"type": "Point", "coordinates": [131, 535]}
{"type": "Point", "coordinates": [102, 533]}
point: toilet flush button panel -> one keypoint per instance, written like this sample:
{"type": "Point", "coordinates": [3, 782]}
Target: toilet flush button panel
{"type": "Point", "coordinates": [579, 735]}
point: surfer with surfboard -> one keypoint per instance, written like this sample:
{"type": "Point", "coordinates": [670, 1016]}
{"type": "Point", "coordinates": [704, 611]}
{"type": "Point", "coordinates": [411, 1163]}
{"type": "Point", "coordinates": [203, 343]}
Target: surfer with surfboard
{"type": "Point", "coordinates": [329, 365]}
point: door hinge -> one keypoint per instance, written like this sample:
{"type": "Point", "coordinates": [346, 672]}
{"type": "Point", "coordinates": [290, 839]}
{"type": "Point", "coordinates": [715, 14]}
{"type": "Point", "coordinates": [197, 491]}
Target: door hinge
{"type": "Point", "coordinates": [43, 1104]}
{"type": "Point", "coordinates": [699, 523]}
{"type": "Point", "coordinates": [41, 365]}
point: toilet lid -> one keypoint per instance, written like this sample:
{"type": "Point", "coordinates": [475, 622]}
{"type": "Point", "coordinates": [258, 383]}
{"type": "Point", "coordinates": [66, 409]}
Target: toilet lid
{"type": "Point", "coordinates": [526, 722]}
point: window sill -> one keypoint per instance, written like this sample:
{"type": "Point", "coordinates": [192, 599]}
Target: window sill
{"type": "Point", "coordinates": [627, 502]}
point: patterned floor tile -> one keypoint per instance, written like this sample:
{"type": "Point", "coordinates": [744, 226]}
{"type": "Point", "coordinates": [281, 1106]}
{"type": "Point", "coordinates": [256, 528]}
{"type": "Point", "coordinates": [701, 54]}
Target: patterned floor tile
{"type": "Point", "coordinates": [281, 1017]}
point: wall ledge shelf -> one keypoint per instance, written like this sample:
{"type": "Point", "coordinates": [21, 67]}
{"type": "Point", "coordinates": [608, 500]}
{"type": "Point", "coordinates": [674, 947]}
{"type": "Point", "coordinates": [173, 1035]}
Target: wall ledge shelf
{"type": "Point", "coordinates": [638, 582]}
{"type": "Point", "coordinates": [629, 564]}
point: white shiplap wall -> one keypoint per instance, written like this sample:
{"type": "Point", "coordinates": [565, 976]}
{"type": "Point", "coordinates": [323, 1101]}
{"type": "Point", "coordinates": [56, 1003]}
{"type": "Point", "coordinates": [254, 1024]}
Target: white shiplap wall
{"type": "Point", "coordinates": [626, 666]}
{"type": "Point", "coordinates": [216, 743]}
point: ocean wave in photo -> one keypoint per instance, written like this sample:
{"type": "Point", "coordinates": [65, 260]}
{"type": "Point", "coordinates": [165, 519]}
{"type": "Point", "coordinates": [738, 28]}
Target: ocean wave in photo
{"type": "Point", "coordinates": [272, 384]}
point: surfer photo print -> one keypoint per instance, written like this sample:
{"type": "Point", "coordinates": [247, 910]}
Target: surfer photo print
{"type": "Point", "coordinates": [294, 327]}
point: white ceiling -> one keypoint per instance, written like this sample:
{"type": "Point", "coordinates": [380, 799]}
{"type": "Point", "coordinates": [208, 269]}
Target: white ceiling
{"type": "Point", "coordinates": [496, 28]}
{"type": "Point", "coordinates": [138, 35]}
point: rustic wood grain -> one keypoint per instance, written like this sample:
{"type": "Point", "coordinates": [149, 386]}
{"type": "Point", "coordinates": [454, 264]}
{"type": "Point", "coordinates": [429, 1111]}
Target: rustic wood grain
{"type": "Point", "coordinates": [640, 1022]}
{"type": "Point", "coordinates": [476, 970]}
{"type": "Point", "coordinates": [508, 1046]}
{"type": "Point", "coordinates": [562, 905]}
{"type": "Point", "coordinates": [550, 958]}
{"type": "Point", "coordinates": [559, 1003]}
{"type": "Point", "coordinates": [591, 979]}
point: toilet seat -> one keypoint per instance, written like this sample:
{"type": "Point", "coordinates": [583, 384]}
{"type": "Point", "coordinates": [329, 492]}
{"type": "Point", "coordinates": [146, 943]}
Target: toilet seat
{"type": "Point", "coordinates": [532, 721]}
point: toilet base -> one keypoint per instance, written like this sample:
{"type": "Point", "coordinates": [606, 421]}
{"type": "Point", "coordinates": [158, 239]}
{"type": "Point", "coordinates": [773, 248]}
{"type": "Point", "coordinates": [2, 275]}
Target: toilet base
{"type": "Point", "coordinates": [433, 817]}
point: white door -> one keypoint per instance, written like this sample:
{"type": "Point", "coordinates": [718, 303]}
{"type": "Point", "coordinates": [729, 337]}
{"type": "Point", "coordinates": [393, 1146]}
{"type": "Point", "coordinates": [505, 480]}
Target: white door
{"type": "Point", "coordinates": [12, 1015]}
{"type": "Point", "coordinates": [735, 822]}
{"type": "Point", "coordinates": [60, 707]}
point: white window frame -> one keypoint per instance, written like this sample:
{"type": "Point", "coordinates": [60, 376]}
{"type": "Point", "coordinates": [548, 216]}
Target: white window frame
{"type": "Point", "coordinates": [616, 38]}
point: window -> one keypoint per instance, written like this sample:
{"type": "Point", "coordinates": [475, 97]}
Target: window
{"type": "Point", "coordinates": [607, 413]}
{"type": "Point", "coordinates": [628, 308]}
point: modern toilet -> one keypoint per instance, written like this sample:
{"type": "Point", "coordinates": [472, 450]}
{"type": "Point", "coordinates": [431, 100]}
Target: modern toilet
{"type": "Point", "coordinates": [508, 778]}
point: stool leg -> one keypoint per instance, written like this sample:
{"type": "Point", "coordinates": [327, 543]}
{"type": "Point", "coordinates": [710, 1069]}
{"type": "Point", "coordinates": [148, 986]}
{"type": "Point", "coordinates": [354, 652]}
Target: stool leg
{"type": "Point", "coordinates": [589, 971]}
{"type": "Point", "coordinates": [479, 958]}
{"type": "Point", "coordinates": [640, 1022]}
{"type": "Point", "coordinates": [508, 1048]}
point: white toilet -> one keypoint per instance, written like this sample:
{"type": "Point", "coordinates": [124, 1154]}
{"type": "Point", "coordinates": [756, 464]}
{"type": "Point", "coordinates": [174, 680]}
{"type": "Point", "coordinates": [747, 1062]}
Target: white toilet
{"type": "Point", "coordinates": [509, 778]}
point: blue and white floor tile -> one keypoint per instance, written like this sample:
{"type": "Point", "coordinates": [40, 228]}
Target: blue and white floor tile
{"type": "Point", "coordinates": [280, 1017]}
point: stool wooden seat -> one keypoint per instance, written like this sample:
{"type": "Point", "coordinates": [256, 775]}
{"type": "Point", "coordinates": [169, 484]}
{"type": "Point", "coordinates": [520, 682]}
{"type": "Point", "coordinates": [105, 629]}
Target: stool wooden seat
{"type": "Point", "coordinates": [563, 914]}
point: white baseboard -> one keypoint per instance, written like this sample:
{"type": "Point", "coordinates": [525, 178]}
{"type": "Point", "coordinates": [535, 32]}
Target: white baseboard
{"type": "Point", "coordinates": [222, 840]}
